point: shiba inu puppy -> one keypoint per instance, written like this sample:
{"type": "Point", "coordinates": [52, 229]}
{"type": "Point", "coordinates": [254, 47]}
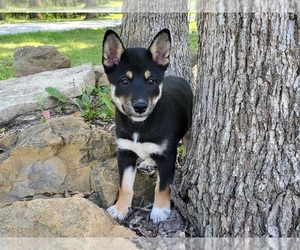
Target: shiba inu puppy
{"type": "Point", "coordinates": [153, 113]}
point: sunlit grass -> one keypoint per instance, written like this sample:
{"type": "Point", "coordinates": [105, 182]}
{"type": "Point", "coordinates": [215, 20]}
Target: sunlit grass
{"type": "Point", "coordinates": [193, 25]}
{"type": "Point", "coordinates": [112, 16]}
{"type": "Point", "coordinates": [48, 18]}
{"type": "Point", "coordinates": [6, 68]}
{"type": "Point", "coordinates": [193, 42]}
{"type": "Point", "coordinates": [80, 45]}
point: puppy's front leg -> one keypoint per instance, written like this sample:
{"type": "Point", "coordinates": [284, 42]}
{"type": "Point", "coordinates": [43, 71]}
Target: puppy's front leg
{"type": "Point", "coordinates": [127, 171]}
{"type": "Point", "coordinates": [162, 201]}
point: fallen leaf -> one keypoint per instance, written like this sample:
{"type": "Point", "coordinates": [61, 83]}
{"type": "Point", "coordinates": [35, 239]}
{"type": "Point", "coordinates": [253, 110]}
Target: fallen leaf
{"type": "Point", "coordinates": [46, 114]}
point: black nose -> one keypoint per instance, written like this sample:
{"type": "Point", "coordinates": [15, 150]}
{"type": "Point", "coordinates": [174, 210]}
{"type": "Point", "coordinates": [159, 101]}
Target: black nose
{"type": "Point", "coordinates": [140, 106]}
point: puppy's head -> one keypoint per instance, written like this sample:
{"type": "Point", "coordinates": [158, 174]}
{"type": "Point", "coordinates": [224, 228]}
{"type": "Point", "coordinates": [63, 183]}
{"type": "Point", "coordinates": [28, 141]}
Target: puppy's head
{"type": "Point", "coordinates": [136, 74]}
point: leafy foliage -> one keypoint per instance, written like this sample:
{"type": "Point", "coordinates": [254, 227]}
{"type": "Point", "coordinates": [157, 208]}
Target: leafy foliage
{"type": "Point", "coordinates": [95, 103]}
{"type": "Point", "coordinates": [56, 93]}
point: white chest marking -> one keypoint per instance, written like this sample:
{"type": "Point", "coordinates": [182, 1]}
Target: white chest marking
{"type": "Point", "coordinates": [143, 150]}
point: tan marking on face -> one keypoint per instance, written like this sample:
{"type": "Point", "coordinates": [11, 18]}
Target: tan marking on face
{"type": "Point", "coordinates": [118, 101]}
{"type": "Point", "coordinates": [126, 191]}
{"type": "Point", "coordinates": [162, 198]}
{"type": "Point", "coordinates": [147, 74]}
{"type": "Point", "coordinates": [129, 74]}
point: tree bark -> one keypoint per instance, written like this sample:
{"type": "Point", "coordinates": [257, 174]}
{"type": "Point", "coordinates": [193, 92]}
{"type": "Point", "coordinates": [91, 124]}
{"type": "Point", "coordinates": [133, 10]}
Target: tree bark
{"type": "Point", "coordinates": [142, 20]}
{"type": "Point", "coordinates": [35, 4]}
{"type": "Point", "coordinates": [65, 5]}
{"type": "Point", "coordinates": [1, 7]}
{"type": "Point", "coordinates": [242, 172]}
{"type": "Point", "coordinates": [91, 4]}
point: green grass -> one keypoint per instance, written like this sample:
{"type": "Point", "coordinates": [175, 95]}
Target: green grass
{"type": "Point", "coordinates": [193, 35]}
{"type": "Point", "coordinates": [80, 45]}
{"type": "Point", "coordinates": [193, 42]}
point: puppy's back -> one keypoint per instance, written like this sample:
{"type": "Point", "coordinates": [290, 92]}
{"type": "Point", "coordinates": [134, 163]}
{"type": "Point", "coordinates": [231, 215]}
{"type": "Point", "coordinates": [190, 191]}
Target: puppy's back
{"type": "Point", "coordinates": [180, 96]}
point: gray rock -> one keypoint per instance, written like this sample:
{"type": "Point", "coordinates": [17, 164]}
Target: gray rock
{"type": "Point", "coordinates": [99, 71]}
{"type": "Point", "coordinates": [30, 60]}
{"type": "Point", "coordinates": [61, 217]}
{"type": "Point", "coordinates": [101, 78]}
{"type": "Point", "coordinates": [21, 95]}
{"type": "Point", "coordinates": [103, 81]}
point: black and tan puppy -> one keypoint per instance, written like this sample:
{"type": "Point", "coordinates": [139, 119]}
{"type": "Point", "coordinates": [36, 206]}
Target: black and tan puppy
{"type": "Point", "coordinates": [153, 113]}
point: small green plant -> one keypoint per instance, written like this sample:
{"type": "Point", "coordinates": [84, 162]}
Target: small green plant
{"type": "Point", "coordinates": [180, 149]}
{"type": "Point", "coordinates": [85, 104]}
{"type": "Point", "coordinates": [57, 94]}
{"type": "Point", "coordinates": [104, 101]}
{"type": "Point", "coordinates": [44, 113]}
{"type": "Point", "coordinates": [40, 102]}
{"type": "Point", "coordinates": [95, 103]}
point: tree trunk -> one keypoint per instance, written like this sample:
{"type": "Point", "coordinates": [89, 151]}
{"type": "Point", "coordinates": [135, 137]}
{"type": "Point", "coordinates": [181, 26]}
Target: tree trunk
{"type": "Point", "coordinates": [35, 4]}
{"type": "Point", "coordinates": [242, 172]}
{"type": "Point", "coordinates": [91, 4]}
{"type": "Point", "coordinates": [142, 20]}
{"type": "Point", "coordinates": [65, 5]}
{"type": "Point", "coordinates": [1, 7]}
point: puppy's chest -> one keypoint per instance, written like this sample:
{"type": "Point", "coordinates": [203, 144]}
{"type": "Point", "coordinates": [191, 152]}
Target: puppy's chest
{"type": "Point", "coordinates": [141, 148]}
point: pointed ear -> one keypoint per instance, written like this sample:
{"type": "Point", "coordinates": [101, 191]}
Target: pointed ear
{"type": "Point", "coordinates": [112, 49]}
{"type": "Point", "coordinates": [160, 48]}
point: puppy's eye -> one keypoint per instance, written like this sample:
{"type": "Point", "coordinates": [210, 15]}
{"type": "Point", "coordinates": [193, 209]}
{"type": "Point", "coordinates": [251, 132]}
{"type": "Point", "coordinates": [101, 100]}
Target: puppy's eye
{"type": "Point", "coordinates": [151, 81]}
{"type": "Point", "coordinates": [124, 81]}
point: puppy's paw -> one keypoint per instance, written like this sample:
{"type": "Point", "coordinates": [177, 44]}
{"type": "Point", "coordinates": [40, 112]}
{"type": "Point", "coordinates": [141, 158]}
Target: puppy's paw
{"type": "Point", "coordinates": [115, 213]}
{"type": "Point", "coordinates": [160, 214]}
{"type": "Point", "coordinates": [148, 165]}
